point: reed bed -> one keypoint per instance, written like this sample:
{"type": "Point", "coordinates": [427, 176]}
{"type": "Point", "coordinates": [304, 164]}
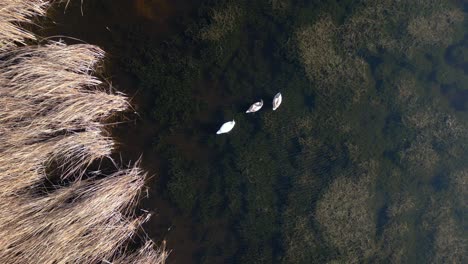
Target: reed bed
{"type": "Point", "coordinates": [52, 114]}
{"type": "Point", "coordinates": [85, 222]}
{"type": "Point", "coordinates": [73, 152]}
{"type": "Point", "coordinates": [13, 12]}
{"type": "Point", "coordinates": [145, 255]}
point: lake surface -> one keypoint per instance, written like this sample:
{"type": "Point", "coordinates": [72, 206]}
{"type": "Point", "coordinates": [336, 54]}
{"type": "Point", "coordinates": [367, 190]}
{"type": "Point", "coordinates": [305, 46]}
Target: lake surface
{"type": "Point", "coordinates": [364, 161]}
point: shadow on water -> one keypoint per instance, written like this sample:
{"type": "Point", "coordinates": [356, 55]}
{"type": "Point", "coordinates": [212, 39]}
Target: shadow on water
{"type": "Point", "coordinates": [101, 23]}
{"type": "Point", "coordinates": [457, 97]}
{"type": "Point", "coordinates": [457, 57]}
{"type": "Point", "coordinates": [106, 24]}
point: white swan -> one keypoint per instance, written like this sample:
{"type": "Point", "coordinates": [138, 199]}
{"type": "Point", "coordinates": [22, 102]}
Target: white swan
{"type": "Point", "coordinates": [255, 107]}
{"type": "Point", "coordinates": [226, 127]}
{"type": "Point", "coordinates": [277, 101]}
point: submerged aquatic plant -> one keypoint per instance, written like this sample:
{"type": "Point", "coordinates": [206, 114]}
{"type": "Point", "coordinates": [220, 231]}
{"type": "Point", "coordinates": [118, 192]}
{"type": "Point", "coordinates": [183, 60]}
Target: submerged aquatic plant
{"type": "Point", "coordinates": [423, 23]}
{"type": "Point", "coordinates": [344, 214]}
{"type": "Point", "coordinates": [53, 113]}
{"type": "Point", "coordinates": [224, 21]}
{"type": "Point", "coordinates": [323, 62]}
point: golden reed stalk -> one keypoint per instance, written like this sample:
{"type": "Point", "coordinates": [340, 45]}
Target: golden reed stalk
{"type": "Point", "coordinates": [52, 112]}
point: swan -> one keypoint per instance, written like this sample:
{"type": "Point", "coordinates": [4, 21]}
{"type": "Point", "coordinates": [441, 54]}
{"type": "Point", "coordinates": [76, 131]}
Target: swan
{"type": "Point", "coordinates": [277, 101]}
{"type": "Point", "coordinates": [255, 107]}
{"type": "Point", "coordinates": [226, 127]}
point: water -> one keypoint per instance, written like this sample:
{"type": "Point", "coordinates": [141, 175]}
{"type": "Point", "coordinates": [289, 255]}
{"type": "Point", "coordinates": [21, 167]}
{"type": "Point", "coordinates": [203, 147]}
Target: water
{"type": "Point", "coordinates": [379, 166]}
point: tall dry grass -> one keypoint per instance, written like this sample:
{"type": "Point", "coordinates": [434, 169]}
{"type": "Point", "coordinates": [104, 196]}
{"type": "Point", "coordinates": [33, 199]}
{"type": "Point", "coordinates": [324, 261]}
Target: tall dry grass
{"type": "Point", "coordinates": [86, 222]}
{"type": "Point", "coordinates": [13, 12]}
{"type": "Point", "coordinates": [52, 115]}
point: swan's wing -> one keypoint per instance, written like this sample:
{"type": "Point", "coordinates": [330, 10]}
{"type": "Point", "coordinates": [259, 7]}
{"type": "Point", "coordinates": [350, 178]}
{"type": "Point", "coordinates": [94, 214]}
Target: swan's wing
{"type": "Point", "coordinates": [255, 107]}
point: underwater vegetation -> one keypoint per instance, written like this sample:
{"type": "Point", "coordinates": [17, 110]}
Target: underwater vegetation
{"type": "Point", "coordinates": [364, 162]}
{"type": "Point", "coordinates": [356, 167]}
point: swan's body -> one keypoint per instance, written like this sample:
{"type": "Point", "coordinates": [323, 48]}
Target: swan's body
{"type": "Point", "coordinates": [277, 101]}
{"type": "Point", "coordinates": [255, 107]}
{"type": "Point", "coordinates": [226, 127]}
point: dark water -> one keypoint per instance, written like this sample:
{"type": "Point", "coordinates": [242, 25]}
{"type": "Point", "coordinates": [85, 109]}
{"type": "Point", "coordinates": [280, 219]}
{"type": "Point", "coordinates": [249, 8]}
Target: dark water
{"type": "Point", "coordinates": [283, 183]}
{"type": "Point", "coordinates": [136, 134]}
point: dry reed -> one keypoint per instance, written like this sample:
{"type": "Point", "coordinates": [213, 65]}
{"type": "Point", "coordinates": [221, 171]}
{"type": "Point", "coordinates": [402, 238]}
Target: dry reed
{"type": "Point", "coordinates": [85, 222]}
{"type": "Point", "coordinates": [145, 255]}
{"type": "Point", "coordinates": [13, 12]}
{"type": "Point", "coordinates": [52, 114]}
